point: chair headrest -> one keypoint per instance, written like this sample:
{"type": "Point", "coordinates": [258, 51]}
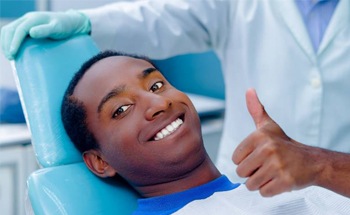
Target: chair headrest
{"type": "Point", "coordinates": [43, 70]}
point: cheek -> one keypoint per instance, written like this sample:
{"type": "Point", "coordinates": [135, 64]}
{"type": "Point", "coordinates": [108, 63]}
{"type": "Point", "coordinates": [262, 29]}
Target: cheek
{"type": "Point", "coordinates": [119, 143]}
{"type": "Point", "coordinates": [183, 98]}
{"type": "Point", "coordinates": [117, 150]}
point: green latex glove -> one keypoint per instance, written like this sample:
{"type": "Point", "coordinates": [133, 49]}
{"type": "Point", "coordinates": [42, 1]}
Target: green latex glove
{"type": "Point", "coordinates": [54, 25]}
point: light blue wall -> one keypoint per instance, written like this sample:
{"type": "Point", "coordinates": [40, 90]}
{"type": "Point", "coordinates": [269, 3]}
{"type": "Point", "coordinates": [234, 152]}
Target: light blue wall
{"type": "Point", "coordinates": [10, 10]}
{"type": "Point", "coordinates": [15, 8]}
{"type": "Point", "coordinates": [195, 73]}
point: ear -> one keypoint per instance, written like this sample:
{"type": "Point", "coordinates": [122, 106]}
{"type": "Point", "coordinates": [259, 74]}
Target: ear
{"type": "Point", "coordinates": [97, 165]}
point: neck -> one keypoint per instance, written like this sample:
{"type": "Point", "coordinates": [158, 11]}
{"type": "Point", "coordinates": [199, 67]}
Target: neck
{"type": "Point", "coordinates": [203, 173]}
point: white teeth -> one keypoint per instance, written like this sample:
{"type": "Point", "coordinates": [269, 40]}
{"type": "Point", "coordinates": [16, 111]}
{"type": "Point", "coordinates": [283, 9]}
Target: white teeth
{"type": "Point", "coordinates": [179, 121]}
{"type": "Point", "coordinates": [165, 132]}
{"type": "Point", "coordinates": [168, 129]}
{"type": "Point", "coordinates": [175, 124]}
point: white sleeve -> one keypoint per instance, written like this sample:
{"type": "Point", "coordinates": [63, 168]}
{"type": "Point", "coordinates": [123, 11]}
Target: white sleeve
{"type": "Point", "coordinates": [308, 201]}
{"type": "Point", "coordinates": [161, 28]}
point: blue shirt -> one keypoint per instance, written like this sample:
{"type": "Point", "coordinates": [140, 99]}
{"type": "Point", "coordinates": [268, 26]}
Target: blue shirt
{"type": "Point", "coordinates": [316, 15]}
{"type": "Point", "coordinates": [168, 204]}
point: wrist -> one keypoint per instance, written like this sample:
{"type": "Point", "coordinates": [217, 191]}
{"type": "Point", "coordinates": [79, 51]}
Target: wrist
{"type": "Point", "coordinates": [333, 171]}
{"type": "Point", "coordinates": [316, 165]}
{"type": "Point", "coordinates": [322, 167]}
{"type": "Point", "coordinates": [83, 21]}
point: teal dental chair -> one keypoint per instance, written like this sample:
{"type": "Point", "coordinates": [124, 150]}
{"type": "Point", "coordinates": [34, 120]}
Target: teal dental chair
{"type": "Point", "coordinates": [63, 185]}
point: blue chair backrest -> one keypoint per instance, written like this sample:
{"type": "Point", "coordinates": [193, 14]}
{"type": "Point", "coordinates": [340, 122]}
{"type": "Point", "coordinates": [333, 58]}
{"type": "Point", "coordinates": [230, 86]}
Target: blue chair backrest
{"type": "Point", "coordinates": [44, 69]}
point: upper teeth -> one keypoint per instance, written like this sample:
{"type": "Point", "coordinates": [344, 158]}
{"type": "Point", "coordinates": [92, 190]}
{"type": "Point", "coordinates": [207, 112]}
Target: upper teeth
{"type": "Point", "coordinates": [169, 129]}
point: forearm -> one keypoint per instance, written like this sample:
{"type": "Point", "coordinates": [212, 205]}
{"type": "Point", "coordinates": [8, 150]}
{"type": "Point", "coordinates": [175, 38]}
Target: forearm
{"type": "Point", "coordinates": [159, 29]}
{"type": "Point", "coordinates": [335, 174]}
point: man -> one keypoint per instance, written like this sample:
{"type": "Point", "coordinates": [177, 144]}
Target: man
{"type": "Point", "coordinates": [293, 52]}
{"type": "Point", "coordinates": [126, 119]}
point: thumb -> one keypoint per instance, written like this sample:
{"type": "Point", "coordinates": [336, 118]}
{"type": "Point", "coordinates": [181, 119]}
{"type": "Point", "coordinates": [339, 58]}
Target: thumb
{"type": "Point", "coordinates": [42, 31]}
{"type": "Point", "coordinates": [256, 109]}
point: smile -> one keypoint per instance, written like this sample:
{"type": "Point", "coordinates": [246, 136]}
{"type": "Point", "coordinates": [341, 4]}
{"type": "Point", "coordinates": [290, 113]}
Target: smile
{"type": "Point", "coordinates": [169, 129]}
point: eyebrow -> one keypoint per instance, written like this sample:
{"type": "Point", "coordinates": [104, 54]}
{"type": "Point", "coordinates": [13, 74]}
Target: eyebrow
{"type": "Point", "coordinates": [114, 92]}
{"type": "Point", "coordinates": [146, 72]}
{"type": "Point", "coordinates": [120, 89]}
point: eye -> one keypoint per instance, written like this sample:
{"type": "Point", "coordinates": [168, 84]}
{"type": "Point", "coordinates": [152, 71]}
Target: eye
{"type": "Point", "coordinates": [156, 86]}
{"type": "Point", "coordinates": [120, 110]}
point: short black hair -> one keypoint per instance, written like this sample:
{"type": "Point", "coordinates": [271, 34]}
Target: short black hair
{"type": "Point", "coordinates": [73, 112]}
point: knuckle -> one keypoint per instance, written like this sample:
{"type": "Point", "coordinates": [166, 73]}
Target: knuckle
{"type": "Point", "coordinates": [237, 155]}
{"type": "Point", "coordinates": [288, 181]}
{"type": "Point", "coordinates": [235, 159]}
{"type": "Point", "coordinates": [30, 15]}
{"type": "Point", "coordinates": [265, 193]}
{"type": "Point", "coordinates": [251, 185]}
{"type": "Point", "coordinates": [54, 23]}
{"type": "Point", "coordinates": [260, 134]}
{"type": "Point", "coordinates": [36, 15]}
{"type": "Point", "coordinates": [269, 147]}
{"type": "Point", "coordinates": [278, 166]}
{"type": "Point", "coordinates": [240, 171]}
{"type": "Point", "coordinates": [21, 30]}
{"type": "Point", "coordinates": [7, 28]}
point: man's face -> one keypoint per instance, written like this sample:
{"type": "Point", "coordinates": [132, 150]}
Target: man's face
{"type": "Point", "coordinates": [147, 130]}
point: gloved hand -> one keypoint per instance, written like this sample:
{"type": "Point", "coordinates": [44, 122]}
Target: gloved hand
{"type": "Point", "coordinates": [54, 25]}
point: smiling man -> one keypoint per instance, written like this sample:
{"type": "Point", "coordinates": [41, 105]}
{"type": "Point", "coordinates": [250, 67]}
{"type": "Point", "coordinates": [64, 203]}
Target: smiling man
{"type": "Point", "coordinates": [144, 129]}
{"type": "Point", "coordinates": [126, 119]}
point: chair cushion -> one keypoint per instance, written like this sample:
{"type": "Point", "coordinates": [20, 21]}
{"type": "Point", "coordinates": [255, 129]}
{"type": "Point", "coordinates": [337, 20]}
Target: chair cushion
{"type": "Point", "coordinates": [44, 69]}
{"type": "Point", "coordinates": [73, 189]}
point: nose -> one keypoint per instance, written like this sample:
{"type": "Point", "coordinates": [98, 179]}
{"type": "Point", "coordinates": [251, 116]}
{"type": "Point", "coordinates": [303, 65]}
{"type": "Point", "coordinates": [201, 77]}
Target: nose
{"type": "Point", "coordinates": [156, 105]}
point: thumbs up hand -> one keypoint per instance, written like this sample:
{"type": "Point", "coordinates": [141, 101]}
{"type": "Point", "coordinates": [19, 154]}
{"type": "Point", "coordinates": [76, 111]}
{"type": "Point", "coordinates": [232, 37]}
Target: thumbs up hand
{"type": "Point", "coordinates": [272, 161]}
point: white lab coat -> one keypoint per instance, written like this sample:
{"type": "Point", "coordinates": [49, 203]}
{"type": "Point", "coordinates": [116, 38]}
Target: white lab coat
{"type": "Point", "coordinates": [262, 44]}
{"type": "Point", "coordinates": [241, 201]}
